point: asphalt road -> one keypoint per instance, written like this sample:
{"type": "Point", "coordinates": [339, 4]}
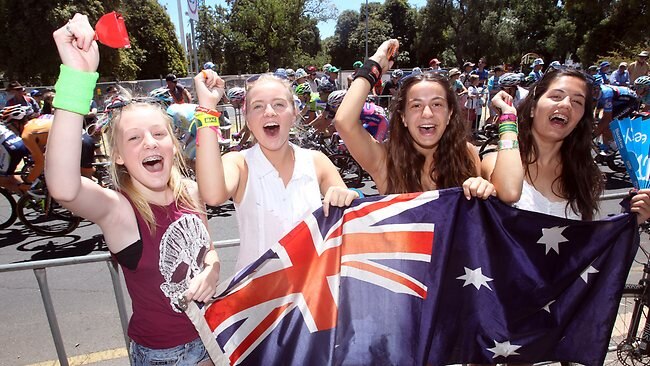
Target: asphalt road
{"type": "Point", "coordinates": [83, 295]}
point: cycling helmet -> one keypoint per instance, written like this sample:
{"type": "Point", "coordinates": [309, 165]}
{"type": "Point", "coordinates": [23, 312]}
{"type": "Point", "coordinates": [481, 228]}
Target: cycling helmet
{"type": "Point", "coordinates": [357, 64]}
{"type": "Point", "coordinates": [300, 73]}
{"type": "Point", "coordinates": [291, 73]}
{"type": "Point", "coordinates": [15, 112]}
{"type": "Point", "coordinates": [326, 67]}
{"type": "Point", "coordinates": [397, 73]}
{"type": "Point", "coordinates": [597, 80]}
{"type": "Point", "coordinates": [335, 99]}
{"type": "Point", "coordinates": [509, 79]}
{"type": "Point", "coordinates": [162, 94]}
{"type": "Point", "coordinates": [311, 69]}
{"type": "Point", "coordinates": [303, 88]}
{"type": "Point", "coordinates": [281, 73]}
{"type": "Point", "coordinates": [209, 65]}
{"type": "Point", "coordinates": [555, 65]}
{"type": "Point", "coordinates": [642, 81]}
{"type": "Point", "coordinates": [326, 86]}
{"type": "Point", "coordinates": [236, 94]}
{"type": "Point", "coordinates": [34, 93]}
{"type": "Point", "coordinates": [416, 71]}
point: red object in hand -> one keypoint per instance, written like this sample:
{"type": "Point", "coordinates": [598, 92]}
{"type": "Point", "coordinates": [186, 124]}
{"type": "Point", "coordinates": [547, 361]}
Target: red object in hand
{"type": "Point", "coordinates": [111, 31]}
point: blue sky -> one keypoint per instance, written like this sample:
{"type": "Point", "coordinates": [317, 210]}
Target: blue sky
{"type": "Point", "coordinates": [326, 28]}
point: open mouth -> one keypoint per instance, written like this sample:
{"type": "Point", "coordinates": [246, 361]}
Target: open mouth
{"type": "Point", "coordinates": [427, 129]}
{"type": "Point", "coordinates": [153, 164]}
{"type": "Point", "coordinates": [559, 119]}
{"type": "Point", "coordinates": [272, 129]}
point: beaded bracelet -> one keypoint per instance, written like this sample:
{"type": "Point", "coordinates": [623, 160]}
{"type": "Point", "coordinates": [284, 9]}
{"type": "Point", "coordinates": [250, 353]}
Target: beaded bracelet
{"type": "Point", "coordinates": [371, 71]}
{"type": "Point", "coordinates": [507, 145]}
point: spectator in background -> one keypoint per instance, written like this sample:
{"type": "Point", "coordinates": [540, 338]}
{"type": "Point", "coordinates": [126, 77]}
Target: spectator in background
{"type": "Point", "coordinates": [481, 71]}
{"type": "Point", "coordinates": [291, 75]}
{"type": "Point", "coordinates": [311, 76]}
{"type": "Point", "coordinates": [474, 102]}
{"type": "Point", "coordinates": [537, 73]}
{"type": "Point", "coordinates": [458, 88]}
{"type": "Point", "coordinates": [355, 66]}
{"type": "Point", "coordinates": [434, 64]}
{"type": "Point", "coordinates": [555, 65]}
{"type": "Point", "coordinates": [640, 66]}
{"type": "Point", "coordinates": [48, 98]}
{"type": "Point", "coordinates": [178, 92]}
{"type": "Point", "coordinates": [467, 69]}
{"type": "Point", "coordinates": [620, 77]}
{"type": "Point", "coordinates": [17, 96]}
{"type": "Point", "coordinates": [493, 87]}
{"type": "Point", "coordinates": [332, 75]}
{"type": "Point", "coordinates": [603, 71]}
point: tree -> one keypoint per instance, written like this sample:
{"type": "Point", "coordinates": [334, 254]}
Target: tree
{"type": "Point", "coordinates": [154, 45]}
{"type": "Point", "coordinates": [403, 20]}
{"type": "Point", "coordinates": [341, 53]}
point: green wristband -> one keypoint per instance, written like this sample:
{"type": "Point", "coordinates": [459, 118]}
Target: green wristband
{"type": "Point", "coordinates": [74, 90]}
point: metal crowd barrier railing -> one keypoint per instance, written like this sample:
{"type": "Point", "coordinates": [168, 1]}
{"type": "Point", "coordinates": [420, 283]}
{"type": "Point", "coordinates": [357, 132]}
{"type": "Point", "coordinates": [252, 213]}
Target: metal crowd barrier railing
{"type": "Point", "coordinates": [40, 267]}
{"type": "Point", "coordinates": [40, 271]}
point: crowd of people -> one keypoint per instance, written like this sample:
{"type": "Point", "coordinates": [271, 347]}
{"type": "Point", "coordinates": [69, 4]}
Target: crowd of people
{"type": "Point", "coordinates": [543, 162]}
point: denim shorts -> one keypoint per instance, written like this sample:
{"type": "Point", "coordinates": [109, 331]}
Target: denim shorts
{"type": "Point", "coordinates": [188, 354]}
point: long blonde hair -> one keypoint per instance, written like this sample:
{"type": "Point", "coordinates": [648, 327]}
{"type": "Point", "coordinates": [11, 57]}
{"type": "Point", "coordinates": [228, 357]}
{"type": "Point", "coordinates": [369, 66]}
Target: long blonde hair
{"type": "Point", "coordinates": [122, 180]}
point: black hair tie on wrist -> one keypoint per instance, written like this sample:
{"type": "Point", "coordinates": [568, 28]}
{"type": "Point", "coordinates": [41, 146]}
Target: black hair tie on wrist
{"type": "Point", "coordinates": [371, 71]}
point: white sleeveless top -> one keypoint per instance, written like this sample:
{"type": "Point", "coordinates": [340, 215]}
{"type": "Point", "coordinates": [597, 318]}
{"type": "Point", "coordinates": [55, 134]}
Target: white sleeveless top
{"type": "Point", "coordinates": [532, 200]}
{"type": "Point", "coordinates": [268, 209]}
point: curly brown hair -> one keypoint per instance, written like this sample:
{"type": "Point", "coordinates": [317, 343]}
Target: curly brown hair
{"type": "Point", "coordinates": [452, 162]}
{"type": "Point", "coordinates": [580, 181]}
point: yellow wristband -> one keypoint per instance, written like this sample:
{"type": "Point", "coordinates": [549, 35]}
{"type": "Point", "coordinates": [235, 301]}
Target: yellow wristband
{"type": "Point", "coordinates": [204, 119]}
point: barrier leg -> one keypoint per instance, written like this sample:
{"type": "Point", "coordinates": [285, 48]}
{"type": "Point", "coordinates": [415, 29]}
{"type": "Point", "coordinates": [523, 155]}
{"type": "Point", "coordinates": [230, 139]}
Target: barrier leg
{"type": "Point", "coordinates": [119, 298]}
{"type": "Point", "coordinates": [41, 277]}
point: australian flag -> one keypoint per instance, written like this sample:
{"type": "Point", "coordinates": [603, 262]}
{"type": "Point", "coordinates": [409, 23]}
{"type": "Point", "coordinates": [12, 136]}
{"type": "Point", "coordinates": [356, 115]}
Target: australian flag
{"type": "Point", "coordinates": [425, 279]}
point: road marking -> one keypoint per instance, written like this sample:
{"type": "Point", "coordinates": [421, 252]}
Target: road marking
{"type": "Point", "coordinates": [89, 358]}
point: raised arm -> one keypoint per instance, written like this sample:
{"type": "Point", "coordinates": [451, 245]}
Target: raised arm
{"type": "Point", "coordinates": [218, 178]}
{"type": "Point", "coordinates": [80, 57]}
{"type": "Point", "coordinates": [504, 168]}
{"type": "Point", "coordinates": [363, 147]}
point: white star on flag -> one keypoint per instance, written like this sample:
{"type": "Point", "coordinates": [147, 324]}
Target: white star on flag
{"type": "Point", "coordinates": [475, 277]}
{"type": "Point", "coordinates": [504, 349]}
{"type": "Point", "coordinates": [552, 237]}
{"type": "Point", "coordinates": [585, 274]}
{"type": "Point", "coordinates": [547, 306]}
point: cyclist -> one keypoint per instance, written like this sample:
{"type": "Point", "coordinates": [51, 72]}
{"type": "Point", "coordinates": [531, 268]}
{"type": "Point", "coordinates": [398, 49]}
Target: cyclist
{"type": "Point", "coordinates": [318, 101]}
{"type": "Point", "coordinates": [209, 66]}
{"type": "Point", "coordinates": [373, 117]}
{"type": "Point", "coordinates": [615, 102]}
{"type": "Point", "coordinates": [12, 152]}
{"type": "Point", "coordinates": [510, 84]}
{"type": "Point", "coordinates": [177, 91]}
{"type": "Point", "coordinates": [237, 97]}
{"type": "Point", "coordinates": [390, 88]}
{"type": "Point", "coordinates": [34, 133]}
{"type": "Point", "coordinates": [303, 92]}
{"type": "Point", "coordinates": [642, 85]}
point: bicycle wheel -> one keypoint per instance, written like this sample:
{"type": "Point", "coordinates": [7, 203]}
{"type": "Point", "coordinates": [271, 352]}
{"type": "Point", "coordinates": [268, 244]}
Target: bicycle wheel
{"type": "Point", "coordinates": [55, 221]}
{"type": "Point", "coordinates": [624, 350]}
{"type": "Point", "coordinates": [348, 168]}
{"type": "Point", "coordinates": [7, 209]}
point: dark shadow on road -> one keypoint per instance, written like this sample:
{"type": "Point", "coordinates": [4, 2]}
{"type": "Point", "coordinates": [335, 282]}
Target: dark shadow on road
{"type": "Point", "coordinates": [225, 210]}
{"type": "Point", "coordinates": [617, 181]}
{"type": "Point", "coordinates": [66, 246]}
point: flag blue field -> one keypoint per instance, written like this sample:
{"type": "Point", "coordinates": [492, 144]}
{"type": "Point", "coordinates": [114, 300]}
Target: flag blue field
{"type": "Point", "coordinates": [631, 137]}
{"type": "Point", "coordinates": [426, 279]}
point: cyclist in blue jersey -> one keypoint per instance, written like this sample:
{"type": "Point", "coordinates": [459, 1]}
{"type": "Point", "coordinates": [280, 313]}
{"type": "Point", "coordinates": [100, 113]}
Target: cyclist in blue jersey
{"type": "Point", "coordinates": [12, 151]}
{"type": "Point", "coordinates": [615, 102]}
{"type": "Point", "coordinates": [642, 85]}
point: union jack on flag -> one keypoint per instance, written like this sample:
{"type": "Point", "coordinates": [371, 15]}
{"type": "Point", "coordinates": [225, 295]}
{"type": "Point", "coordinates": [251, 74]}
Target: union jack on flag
{"type": "Point", "coordinates": [372, 285]}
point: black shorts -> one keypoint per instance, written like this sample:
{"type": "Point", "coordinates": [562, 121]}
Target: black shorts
{"type": "Point", "coordinates": [87, 151]}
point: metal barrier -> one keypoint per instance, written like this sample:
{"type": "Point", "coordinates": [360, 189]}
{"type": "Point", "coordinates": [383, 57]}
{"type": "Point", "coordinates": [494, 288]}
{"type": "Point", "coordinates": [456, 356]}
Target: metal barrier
{"type": "Point", "coordinates": [39, 268]}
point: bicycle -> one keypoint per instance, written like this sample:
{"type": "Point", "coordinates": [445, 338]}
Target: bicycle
{"type": "Point", "coordinates": [630, 337]}
{"type": "Point", "coordinates": [7, 209]}
{"type": "Point", "coordinates": [43, 215]}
